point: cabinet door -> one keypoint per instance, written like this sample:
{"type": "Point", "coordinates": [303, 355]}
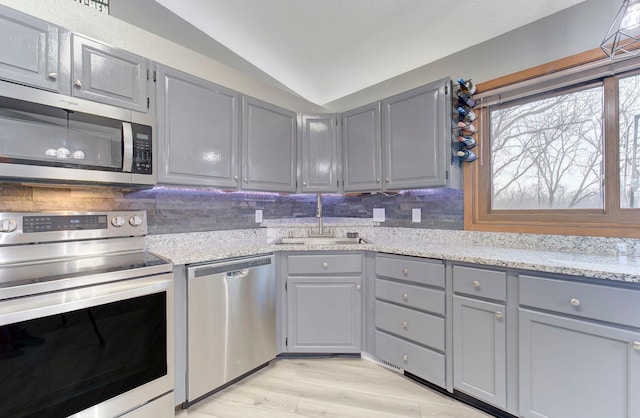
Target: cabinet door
{"type": "Point", "coordinates": [268, 147]}
{"type": "Point", "coordinates": [108, 75]}
{"type": "Point", "coordinates": [319, 153]}
{"type": "Point", "coordinates": [28, 50]}
{"type": "Point", "coordinates": [324, 314]}
{"type": "Point", "coordinates": [198, 131]}
{"type": "Point", "coordinates": [573, 368]}
{"type": "Point", "coordinates": [416, 134]}
{"type": "Point", "coordinates": [361, 148]}
{"type": "Point", "coordinates": [479, 350]}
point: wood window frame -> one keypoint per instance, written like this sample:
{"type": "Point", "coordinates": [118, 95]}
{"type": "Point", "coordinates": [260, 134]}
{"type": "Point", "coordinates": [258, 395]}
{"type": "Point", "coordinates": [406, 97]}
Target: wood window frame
{"type": "Point", "coordinates": [611, 221]}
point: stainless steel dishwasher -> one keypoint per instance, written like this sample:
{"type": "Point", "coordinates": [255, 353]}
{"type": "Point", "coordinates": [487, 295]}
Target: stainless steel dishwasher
{"type": "Point", "coordinates": [231, 322]}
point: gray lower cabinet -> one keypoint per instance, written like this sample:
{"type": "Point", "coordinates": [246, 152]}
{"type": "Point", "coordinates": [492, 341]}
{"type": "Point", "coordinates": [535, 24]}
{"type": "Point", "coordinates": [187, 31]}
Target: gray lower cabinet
{"type": "Point", "coordinates": [318, 153]}
{"type": "Point", "coordinates": [198, 131]}
{"type": "Point", "coordinates": [269, 137]}
{"type": "Point", "coordinates": [574, 360]}
{"type": "Point", "coordinates": [410, 315]}
{"type": "Point", "coordinates": [362, 149]}
{"type": "Point", "coordinates": [479, 349]}
{"type": "Point", "coordinates": [416, 129]}
{"type": "Point", "coordinates": [29, 50]}
{"type": "Point", "coordinates": [324, 303]}
{"type": "Point", "coordinates": [480, 334]}
{"type": "Point", "coordinates": [108, 75]}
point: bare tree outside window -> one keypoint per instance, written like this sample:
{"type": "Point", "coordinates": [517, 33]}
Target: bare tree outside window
{"type": "Point", "coordinates": [629, 133]}
{"type": "Point", "coordinates": [547, 153]}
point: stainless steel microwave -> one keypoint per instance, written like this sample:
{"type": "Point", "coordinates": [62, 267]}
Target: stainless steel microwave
{"type": "Point", "coordinates": [51, 138]}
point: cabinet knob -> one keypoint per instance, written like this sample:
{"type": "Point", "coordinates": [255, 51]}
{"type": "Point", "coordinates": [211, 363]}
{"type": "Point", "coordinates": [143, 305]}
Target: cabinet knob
{"type": "Point", "coordinates": [78, 83]}
{"type": "Point", "coordinates": [246, 180]}
{"type": "Point", "coordinates": [358, 287]}
{"type": "Point", "coordinates": [498, 314]}
{"type": "Point", "coordinates": [378, 180]}
{"type": "Point", "coordinates": [325, 265]}
{"type": "Point", "coordinates": [405, 357]}
{"type": "Point", "coordinates": [386, 179]}
{"type": "Point", "coordinates": [575, 302]}
{"type": "Point", "coordinates": [235, 178]}
{"type": "Point", "coordinates": [405, 324]}
{"type": "Point", "coordinates": [405, 272]}
{"type": "Point", "coordinates": [304, 183]}
{"type": "Point", "coordinates": [476, 284]}
{"type": "Point", "coordinates": [636, 345]}
{"type": "Point", "coordinates": [53, 76]}
{"type": "Point", "coordinates": [405, 296]}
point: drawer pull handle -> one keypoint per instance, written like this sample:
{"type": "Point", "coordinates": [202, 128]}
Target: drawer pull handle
{"type": "Point", "coordinates": [325, 265]}
{"type": "Point", "coordinates": [498, 314]}
{"type": "Point", "coordinates": [575, 302]}
{"type": "Point", "coordinates": [405, 357]}
{"type": "Point", "coordinates": [405, 296]}
{"type": "Point", "coordinates": [405, 272]}
{"type": "Point", "coordinates": [636, 345]}
{"type": "Point", "coordinates": [476, 284]}
{"type": "Point", "coordinates": [405, 324]}
{"type": "Point", "coordinates": [358, 287]}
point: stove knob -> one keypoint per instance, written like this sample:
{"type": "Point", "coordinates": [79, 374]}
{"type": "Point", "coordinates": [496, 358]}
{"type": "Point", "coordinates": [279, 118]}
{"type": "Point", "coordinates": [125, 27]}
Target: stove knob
{"type": "Point", "coordinates": [8, 225]}
{"type": "Point", "coordinates": [118, 221]}
{"type": "Point", "coordinates": [135, 220]}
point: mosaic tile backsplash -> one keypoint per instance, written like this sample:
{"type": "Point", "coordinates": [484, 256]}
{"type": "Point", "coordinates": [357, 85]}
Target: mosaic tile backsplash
{"type": "Point", "coordinates": [190, 210]}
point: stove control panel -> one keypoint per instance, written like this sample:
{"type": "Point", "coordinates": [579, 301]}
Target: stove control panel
{"type": "Point", "coordinates": [31, 227]}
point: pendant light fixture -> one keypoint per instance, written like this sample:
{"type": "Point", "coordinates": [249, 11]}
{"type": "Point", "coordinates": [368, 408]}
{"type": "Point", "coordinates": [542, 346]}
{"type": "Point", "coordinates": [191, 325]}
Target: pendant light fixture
{"type": "Point", "coordinates": [623, 38]}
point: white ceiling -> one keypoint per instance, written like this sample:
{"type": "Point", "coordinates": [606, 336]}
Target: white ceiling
{"type": "Point", "coordinates": [326, 49]}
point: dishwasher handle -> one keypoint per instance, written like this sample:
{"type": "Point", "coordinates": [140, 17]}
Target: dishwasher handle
{"type": "Point", "coordinates": [238, 274]}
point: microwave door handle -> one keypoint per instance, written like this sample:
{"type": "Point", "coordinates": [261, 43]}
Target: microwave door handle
{"type": "Point", "coordinates": [127, 142]}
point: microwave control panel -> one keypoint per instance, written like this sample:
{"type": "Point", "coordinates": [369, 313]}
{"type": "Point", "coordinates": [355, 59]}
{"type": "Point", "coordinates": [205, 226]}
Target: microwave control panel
{"type": "Point", "coordinates": [142, 150]}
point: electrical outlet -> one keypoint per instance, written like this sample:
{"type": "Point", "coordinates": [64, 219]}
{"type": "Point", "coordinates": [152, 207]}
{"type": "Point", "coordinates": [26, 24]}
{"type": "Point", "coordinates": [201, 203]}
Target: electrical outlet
{"type": "Point", "coordinates": [378, 214]}
{"type": "Point", "coordinates": [416, 215]}
{"type": "Point", "coordinates": [258, 215]}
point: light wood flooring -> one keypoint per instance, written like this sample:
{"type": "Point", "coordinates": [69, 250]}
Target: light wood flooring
{"type": "Point", "coordinates": [339, 387]}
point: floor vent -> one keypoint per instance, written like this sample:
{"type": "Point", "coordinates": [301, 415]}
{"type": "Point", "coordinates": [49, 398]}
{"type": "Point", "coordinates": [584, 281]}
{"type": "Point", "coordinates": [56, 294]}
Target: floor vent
{"type": "Point", "coordinates": [379, 361]}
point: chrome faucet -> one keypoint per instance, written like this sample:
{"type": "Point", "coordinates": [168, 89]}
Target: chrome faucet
{"type": "Point", "coordinates": [320, 232]}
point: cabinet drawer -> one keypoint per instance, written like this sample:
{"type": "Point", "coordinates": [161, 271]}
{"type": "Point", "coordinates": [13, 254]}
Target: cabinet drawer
{"type": "Point", "coordinates": [420, 361]}
{"type": "Point", "coordinates": [404, 268]}
{"type": "Point", "coordinates": [406, 323]}
{"type": "Point", "coordinates": [325, 263]}
{"type": "Point", "coordinates": [471, 281]}
{"type": "Point", "coordinates": [604, 303]}
{"type": "Point", "coordinates": [412, 296]}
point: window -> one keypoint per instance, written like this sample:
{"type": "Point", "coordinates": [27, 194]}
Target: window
{"type": "Point", "coordinates": [559, 154]}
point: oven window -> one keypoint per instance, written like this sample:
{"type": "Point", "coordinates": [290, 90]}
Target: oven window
{"type": "Point", "coordinates": [62, 364]}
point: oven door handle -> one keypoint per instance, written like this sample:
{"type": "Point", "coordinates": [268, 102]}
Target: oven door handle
{"type": "Point", "coordinates": [23, 309]}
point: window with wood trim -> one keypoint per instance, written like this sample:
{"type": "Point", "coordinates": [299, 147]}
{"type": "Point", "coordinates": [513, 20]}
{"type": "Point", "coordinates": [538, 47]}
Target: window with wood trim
{"type": "Point", "coordinates": [559, 153]}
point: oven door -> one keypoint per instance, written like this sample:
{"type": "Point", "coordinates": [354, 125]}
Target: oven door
{"type": "Point", "coordinates": [96, 351]}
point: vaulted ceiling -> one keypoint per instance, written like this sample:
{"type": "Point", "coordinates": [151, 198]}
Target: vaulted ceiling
{"type": "Point", "coordinates": [326, 49]}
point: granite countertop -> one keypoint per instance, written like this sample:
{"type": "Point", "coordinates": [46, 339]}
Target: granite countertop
{"type": "Point", "coordinates": [543, 254]}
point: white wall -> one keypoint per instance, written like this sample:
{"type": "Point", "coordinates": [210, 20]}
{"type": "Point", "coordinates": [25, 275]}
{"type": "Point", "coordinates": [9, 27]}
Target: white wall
{"type": "Point", "coordinates": [574, 30]}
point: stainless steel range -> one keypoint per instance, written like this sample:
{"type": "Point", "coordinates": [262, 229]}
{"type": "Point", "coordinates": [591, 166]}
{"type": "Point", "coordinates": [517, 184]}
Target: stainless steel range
{"type": "Point", "coordinates": [86, 317]}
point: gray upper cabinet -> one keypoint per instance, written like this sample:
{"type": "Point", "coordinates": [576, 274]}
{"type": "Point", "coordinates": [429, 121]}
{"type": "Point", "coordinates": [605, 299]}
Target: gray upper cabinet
{"type": "Point", "coordinates": [198, 131]}
{"type": "Point", "coordinates": [416, 135]}
{"type": "Point", "coordinates": [108, 75]}
{"type": "Point", "coordinates": [29, 50]}
{"type": "Point", "coordinates": [318, 153]}
{"type": "Point", "coordinates": [269, 138]}
{"type": "Point", "coordinates": [362, 149]}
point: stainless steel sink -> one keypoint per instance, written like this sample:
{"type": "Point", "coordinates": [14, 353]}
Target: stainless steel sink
{"type": "Point", "coordinates": [320, 241]}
